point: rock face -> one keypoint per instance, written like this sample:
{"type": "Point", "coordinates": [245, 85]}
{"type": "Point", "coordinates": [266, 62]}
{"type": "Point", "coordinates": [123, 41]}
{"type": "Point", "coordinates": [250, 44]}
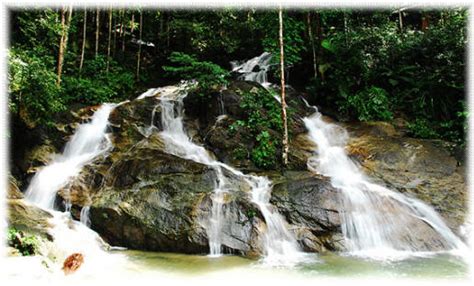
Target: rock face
{"type": "Point", "coordinates": [310, 204]}
{"type": "Point", "coordinates": [141, 197]}
{"type": "Point", "coordinates": [28, 218]}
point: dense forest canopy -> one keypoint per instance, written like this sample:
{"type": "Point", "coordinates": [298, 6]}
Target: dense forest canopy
{"type": "Point", "coordinates": [361, 65]}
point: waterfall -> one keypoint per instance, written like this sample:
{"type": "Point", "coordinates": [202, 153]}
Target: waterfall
{"type": "Point", "coordinates": [376, 222]}
{"type": "Point", "coordinates": [279, 245]}
{"type": "Point", "coordinates": [85, 218]}
{"type": "Point", "coordinates": [254, 69]}
{"type": "Point", "coordinates": [89, 141]}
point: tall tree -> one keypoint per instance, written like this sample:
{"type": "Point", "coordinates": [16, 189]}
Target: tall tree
{"type": "Point", "coordinates": [400, 20]}
{"type": "Point", "coordinates": [97, 26]}
{"type": "Point", "coordinates": [109, 39]}
{"type": "Point", "coordinates": [84, 32]}
{"type": "Point", "coordinates": [139, 45]}
{"type": "Point", "coordinates": [122, 30]}
{"type": "Point", "coordinates": [114, 46]}
{"type": "Point", "coordinates": [313, 48]}
{"type": "Point", "coordinates": [283, 102]}
{"type": "Point", "coordinates": [65, 23]}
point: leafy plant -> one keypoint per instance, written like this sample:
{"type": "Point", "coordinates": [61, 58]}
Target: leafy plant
{"type": "Point", "coordinates": [264, 154]}
{"type": "Point", "coordinates": [25, 244]}
{"type": "Point", "coordinates": [188, 67]}
{"type": "Point", "coordinates": [263, 110]}
{"type": "Point", "coordinates": [370, 104]}
{"type": "Point", "coordinates": [421, 128]}
{"type": "Point", "coordinates": [240, 153]}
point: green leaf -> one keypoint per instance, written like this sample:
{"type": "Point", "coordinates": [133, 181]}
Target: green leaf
{"type": "Point", "coordinates": [328, 45]}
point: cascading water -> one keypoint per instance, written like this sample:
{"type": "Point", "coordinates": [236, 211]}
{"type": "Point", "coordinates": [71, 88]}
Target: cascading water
{"type": "Point", "coordinates": [254, 69]}
{"type": "Point", "coordinates": [279, 244]}
{"type": "Point", "coordinates": [89, 141]}
{"type": "Point", "coordinates": [85, 218]}
{"type": "Point", "coordinates": [376, 222]}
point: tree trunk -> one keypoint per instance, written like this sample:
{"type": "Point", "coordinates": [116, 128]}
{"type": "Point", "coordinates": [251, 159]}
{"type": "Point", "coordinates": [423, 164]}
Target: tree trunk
{"type": "Point", "coordinates": [425, 21]}
{"type": "Point", "coordinates": [84, 31]}
{"type": "Point", "coordinates": [139, 45]}
{"type": "Point", "coordinates": [313, 48]}
{"type": "Point", "coordinates": [283, 103]}
{"type": "Point", "coordinates": [319, 39]}
{"type": "Point", "coordinates": [122, 30]}
{"type": "Point", "coordinates": [168, 31]}
{"type": "Point", "coordinates": [114, 25]}
{"type": "Point", "coordinates": [400, 20]}
{"type": "Point", "coordinates": [109, 40]}
{"type": "Point", "coordinates": [63, 41]}
{"type": "Point", "coordinates": [97, 26]}
{"type": "Point", "coordinates": [346, 29]}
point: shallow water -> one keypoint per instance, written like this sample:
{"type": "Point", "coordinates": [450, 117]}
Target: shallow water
{"type": "Point", "coordinates": [435, 266]}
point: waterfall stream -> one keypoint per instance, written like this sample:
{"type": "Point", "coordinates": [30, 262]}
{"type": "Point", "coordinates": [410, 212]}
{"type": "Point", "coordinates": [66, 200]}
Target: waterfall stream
{"type": "Point", "coordinates": [376, 222]}
{"type": "Point", "coordinates": [280, 247]}
{"type": "Point", "coordinates": [254, 69]}
{"type": "Point", "coordinates": [88, 142]}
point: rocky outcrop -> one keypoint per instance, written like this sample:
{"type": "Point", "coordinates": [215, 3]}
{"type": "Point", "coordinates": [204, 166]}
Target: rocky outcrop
{"type": "Point", "coordinates": [157, 201]}
{"type": "Point", "coordinates": [141, 197]}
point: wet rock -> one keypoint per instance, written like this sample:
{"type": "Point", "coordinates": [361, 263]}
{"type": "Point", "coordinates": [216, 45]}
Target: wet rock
{"type": "Point", "coordinates": [28, 218]}
{"type": "Point", "coordinates": [13, 188]}
{"type": "Point", "coordinates": [310, 204]}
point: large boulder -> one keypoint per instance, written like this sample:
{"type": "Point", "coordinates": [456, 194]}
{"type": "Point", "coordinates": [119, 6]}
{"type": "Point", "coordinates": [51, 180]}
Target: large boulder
{"type": "Point", "coordinates": [311, 205]}
{"type": "Point", "coordinates": [141, 197]}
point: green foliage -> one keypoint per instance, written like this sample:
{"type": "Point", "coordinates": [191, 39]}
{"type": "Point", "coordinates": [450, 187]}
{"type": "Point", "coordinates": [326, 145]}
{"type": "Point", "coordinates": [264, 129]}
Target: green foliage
{"type": "Point", "coordinates": [264, 153]}
{"type": "Point", "coordinates": [32, 88]}
{"type": "Point", "coordinates": [263, 114]}
{"type": "Point", "coordinates": [96, 86]}
{"type": "Point", "coordinates": [251, 213]}
{"type": "Point", "coordinates": [422, 128]}
{"type": "Point", "coordinates": [40, 29]}
{"type": "Point", "coordinates": [421, 70]}
{"type": "Point", "coordinates": [240, 153]}
{"type": "Point", "coordinates": [208, 75]}
{"type": "Point", "coordinates": [370, 104]}
{"type": "Point", "coordinates": [26, 244]}
{"type": "Point", "coordinates": [263, 111]}
{"type": "Point", "coordinates": [294, 43]}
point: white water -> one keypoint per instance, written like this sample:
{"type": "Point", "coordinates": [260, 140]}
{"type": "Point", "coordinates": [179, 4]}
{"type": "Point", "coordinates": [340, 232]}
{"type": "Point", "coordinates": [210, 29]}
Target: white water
{"type": "Point", "coordinates": [89, 141]}
{"type": "Point", "coordinates": [279, 245]}
{"type": "Point", "coordinates": [85, 218]}
{"type": "Point", "coordinates": [375, 220]}
{"type": "Point", "coordinates": [254, 69]}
